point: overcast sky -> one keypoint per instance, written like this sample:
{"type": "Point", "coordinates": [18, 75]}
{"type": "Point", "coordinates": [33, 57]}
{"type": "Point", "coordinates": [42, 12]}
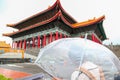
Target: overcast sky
{"type": "Point", "coordinates": [12, 11]}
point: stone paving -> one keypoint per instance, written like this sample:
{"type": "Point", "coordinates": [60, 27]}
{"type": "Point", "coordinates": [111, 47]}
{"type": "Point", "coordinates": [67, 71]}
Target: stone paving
{"type": "Point", "coordinates": [25, 68]}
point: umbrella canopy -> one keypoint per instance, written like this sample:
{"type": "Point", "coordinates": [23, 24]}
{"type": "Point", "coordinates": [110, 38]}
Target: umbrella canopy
{"type": "Point", "coordinates": [62, 57]}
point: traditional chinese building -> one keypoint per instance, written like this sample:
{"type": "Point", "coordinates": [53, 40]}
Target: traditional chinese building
{"type": "Point", "coordinates": [52, 24]}
{"type": "Point", "coordinates": [4, 47]}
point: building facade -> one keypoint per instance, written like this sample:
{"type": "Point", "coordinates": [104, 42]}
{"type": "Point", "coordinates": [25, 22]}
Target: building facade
{"type": "Point", "coordinates": [52, 24]}
{"type": "Point", "coordinates": [4, 47]}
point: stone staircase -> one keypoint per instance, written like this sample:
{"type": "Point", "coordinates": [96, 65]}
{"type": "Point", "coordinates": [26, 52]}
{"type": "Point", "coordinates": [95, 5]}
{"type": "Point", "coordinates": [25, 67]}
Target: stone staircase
{"type": "Point", "coordinates": [115, 49]}
{"type": "Point", "coordinates": [33, 51]}
{"type": "Point", "coordinates": [13, 60]}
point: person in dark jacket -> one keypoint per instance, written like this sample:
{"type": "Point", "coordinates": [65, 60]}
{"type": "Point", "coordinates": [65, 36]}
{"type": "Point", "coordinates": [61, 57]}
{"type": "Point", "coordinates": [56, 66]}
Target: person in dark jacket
{"type": "Point", "coordinates": [117, 76]}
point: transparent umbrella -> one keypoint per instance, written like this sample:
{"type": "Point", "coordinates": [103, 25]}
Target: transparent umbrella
{"type": "Point", "coordinates": [62, 57]}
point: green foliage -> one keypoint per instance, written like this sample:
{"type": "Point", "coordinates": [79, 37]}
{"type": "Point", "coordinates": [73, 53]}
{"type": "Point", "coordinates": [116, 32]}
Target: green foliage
{"type": "Point", "coordinates": [4, 78]}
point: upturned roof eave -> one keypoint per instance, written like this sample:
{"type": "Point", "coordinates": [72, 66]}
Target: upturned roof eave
{"type": "Point", "coordinates": [59, 14]}
{"type": "Point", "coordinates": [89, 22]}
{"type": "Point", "coordinates": [42, 12]}
{"type": "Point", "coordinates": [35, 25]}
{"type": "Point", "coordinates": [59, 4]}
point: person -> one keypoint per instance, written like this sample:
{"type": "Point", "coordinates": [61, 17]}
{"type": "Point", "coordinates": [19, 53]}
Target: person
{"type": "Point", "coordinates": [88, 71]}
{"type": "Point", "coordinates": [117, 76]}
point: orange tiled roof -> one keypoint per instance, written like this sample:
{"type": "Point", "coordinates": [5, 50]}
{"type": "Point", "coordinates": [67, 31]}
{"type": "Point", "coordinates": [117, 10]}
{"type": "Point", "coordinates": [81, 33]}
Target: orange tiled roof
{"type": "Point", "coordinates": [59, 14]}
{"type": "Point", "coordinates": [4, 45]}
{"type": "Point", "coordinates": [89, 22]}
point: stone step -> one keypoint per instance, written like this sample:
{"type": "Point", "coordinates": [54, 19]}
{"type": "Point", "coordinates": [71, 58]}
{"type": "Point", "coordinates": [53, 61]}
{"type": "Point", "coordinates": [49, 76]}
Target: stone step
{"type": "Point", "coordinates": [13, 60]}
{"type": "Point", "coordinates": [33, 51]}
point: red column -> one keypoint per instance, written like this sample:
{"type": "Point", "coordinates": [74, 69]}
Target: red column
{"type": "Point", "coordinates": [50, 38]}
{"type": "Point", "coordinates": [60, 35]}
{"type": "Point", "coordinates": [24, 44]}
{"type": "Point", "coordinates": [33, 42]}
{"type": "Point", "coordinates": [44, 40]}
{"type": "Point", "coordinates": [20, 45]}
{"type": "Point", "coordinates": [38, 41]}
{"type": "Point", "coordinates": [56, 35]}
{"type": "Point", "coordinates": [97, 40]}
{"type": "Point", "coordinates": [93, 37]}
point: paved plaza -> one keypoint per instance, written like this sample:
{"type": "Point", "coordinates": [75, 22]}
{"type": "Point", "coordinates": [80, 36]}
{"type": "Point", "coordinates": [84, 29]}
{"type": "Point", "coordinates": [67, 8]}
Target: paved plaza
{"type": "Point", "coordinates": [20, 70]}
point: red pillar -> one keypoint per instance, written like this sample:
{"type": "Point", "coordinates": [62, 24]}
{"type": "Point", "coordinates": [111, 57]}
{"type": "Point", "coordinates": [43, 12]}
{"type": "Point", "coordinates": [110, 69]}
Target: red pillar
{"type": "Point", "coordinates": [44, 40]}
{"type": "Point", "coordinates": [33, 42]}
{"type": "Point", "coordinates": [38, 41]}
{"type": "Point", "coordinates": [20, 45]}
{"type": "Point", "coordinates": [60, 35]}
{"type": "Point", "coordinates": [56, 35]}
{"type": "Point", "coordinates": [50, 38]}
{"type": "Point", "coordinates": [24, 44]}
{"type": "Point", "coordinates": [93, 37]}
